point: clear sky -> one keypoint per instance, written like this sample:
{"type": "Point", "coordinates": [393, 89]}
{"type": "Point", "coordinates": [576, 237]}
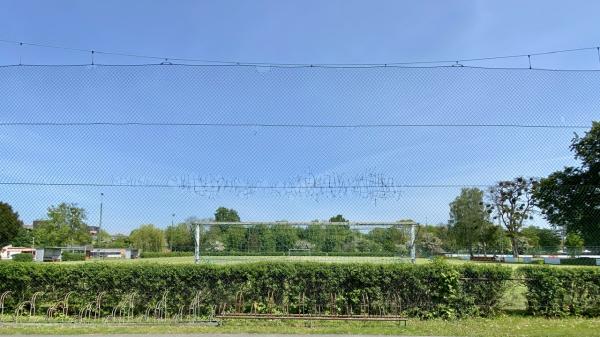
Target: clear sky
{"type": "Point", "coordinates": [294, 32]}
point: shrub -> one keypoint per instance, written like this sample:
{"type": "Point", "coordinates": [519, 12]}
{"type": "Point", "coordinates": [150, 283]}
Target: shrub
{"type": "Point", "coordinates": [23, 257]}
{"type": "Point", "coordinates": [68, 256]}
{"type": "Point", "coordinates": [553, 291]}
{"type": "Point", "coordinates": [579, 261]}
{"type": "Point", "coordinates": [432, 290]}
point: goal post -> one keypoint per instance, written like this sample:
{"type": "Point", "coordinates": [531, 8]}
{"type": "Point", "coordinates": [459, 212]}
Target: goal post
{"type": "Point", "coordinates": [357, 238]}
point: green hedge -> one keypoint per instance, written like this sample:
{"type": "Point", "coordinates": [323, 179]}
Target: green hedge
{"type": "Point", "coordinates": [555, 291]}
{"type": "Point", "coordinates": [68, 256]}
{"type": "Point", "coordinates": [579, 261]}
{"type": "Point", "coordinates": [147, 255]}
{"type": "Point", "coordinates": [22, 257]}
{"type": "Point", "coordinates": [432, 290]}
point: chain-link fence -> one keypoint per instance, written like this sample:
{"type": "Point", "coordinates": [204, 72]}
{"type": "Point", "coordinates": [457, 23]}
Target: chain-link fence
{"type": "Point", "coordinates": [94, 155]}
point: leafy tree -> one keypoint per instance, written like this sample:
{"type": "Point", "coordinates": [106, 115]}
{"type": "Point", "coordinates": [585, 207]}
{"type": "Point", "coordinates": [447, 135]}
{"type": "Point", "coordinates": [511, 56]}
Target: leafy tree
{"type": "Point", "coordinates": [148, 238]}
{"type": "Point", "coordinates": [10, 224]}
{"type": "Point", "coordinates": [570, 197]}
{"type": "Point", "coordinates": [65, 226]}
{"type": "Point", "coordinates": [542, 239]}
{"type": "Point", "coordinates": [468, 218]}
{"type": "Point", "coordinates": [574, 243]}
{"type": "Point", "coordinates": [512, 202]}
{"type": "Point", "coordinates": [24, 238]}
{"type": "Point", "coordinates": [180, 237]}
{"type": "Point", "coordinates": [285, 236]}
{"type": "Point", "coordinates": [223, 214]}
{"type": "Point", "coordinates": [338, 218]}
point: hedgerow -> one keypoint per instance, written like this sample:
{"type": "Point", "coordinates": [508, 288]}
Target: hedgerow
{"type": "Point", "coordinates": [558, 292]}
{"type": "Point", "coordinates": [432, 290]}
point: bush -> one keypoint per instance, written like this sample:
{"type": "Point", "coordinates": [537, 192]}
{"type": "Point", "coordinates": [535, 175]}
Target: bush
{"type": "Point", "coordinates": [580, 261]}
{"type": "Point", "coordinates": [557, 292]}
{"type": "Point", "coordinates": [23, 257]}
{"type": "Point", "coordinates": [68, 256]}
{"type": "Point", "coordinates": [151, 255]}
{"type": "Point", "coordinates": [432, 290]}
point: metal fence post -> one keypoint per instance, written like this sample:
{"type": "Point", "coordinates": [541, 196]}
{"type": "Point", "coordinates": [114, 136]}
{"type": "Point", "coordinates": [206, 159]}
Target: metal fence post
{"type": "Point", "coordinates": [413, 241]}
{"type": "Point", "coordinates": [197, 244]}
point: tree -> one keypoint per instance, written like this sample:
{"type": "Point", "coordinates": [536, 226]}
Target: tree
{"type": "Point", "coordinates": [24, 238]}
{"type": "Point", "coordinates": [468, 217]}
{"type": "Point", "coordinates": [180, 237]}
{"type": "Point", "coordinates": [10, 224]}
{"type": "Point", "coordinates": [65, 226]}
{"type": "Point", "coordinates": [512, 202]}
{"type": "Point", "coordinates": [570, 198]}
{"type": "Point", "coordinates": [223, 214]}
{"type": "Point", "coordinates": [574, 243]}
{"type": "Point", "coordinates": [338, 218]}
{"type": "Point", "coordinates": [542, 239]}
{"type": "Point", "coordinates": [148, 238]}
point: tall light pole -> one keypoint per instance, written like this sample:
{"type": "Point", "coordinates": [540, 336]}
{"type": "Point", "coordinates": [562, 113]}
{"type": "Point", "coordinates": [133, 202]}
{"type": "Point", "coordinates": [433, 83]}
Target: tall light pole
{"type": "Point", "coordinates": [100, 221]}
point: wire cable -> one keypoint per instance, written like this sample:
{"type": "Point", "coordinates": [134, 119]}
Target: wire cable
{"type": "Point", "coordinates": [242, 63]}
{"type": "Point", "coordinates": [291, 125]}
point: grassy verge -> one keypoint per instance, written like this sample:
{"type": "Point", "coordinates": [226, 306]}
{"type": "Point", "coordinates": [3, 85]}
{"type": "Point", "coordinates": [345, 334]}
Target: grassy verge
{"type": "Point", "coordinates": [510, 325]}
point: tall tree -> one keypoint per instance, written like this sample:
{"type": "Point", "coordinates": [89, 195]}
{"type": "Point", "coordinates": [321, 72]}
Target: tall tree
{"type": "Point", "coordinates": [223, 214]}
{"type": "Point", "coordinates": [10, 225]}
{"type": "Point", "coordinates": [65, 226]}
{"type": "Point", "coordinates": [180, 237]}
{"type": "Point", "coordinates": [148, 238]}
{"type": "Point", "coordinates": [468, 218]}
{"type": "Point", "coordinates": [570, 198]}
{"type": "Point", "coordinates": [512, 203]}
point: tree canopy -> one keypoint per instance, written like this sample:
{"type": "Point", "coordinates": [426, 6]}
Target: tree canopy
{"type": "Point", "coordinates": [64, 226]}
{"type": "Point", "coordinates": [10, 224]}
{"type": "Point", "coordinates": [570, 197]}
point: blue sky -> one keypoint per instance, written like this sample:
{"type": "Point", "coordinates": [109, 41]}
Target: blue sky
{"type": "Point", "coordinates": [295, 32]}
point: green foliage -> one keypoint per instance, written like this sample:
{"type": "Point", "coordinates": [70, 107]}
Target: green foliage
{"type": "Point", "coordinates": [542, 240]}
{"type": "Point", "coordinates": [152, 255]}
{"type": "Point", "coordinates": [574, 244]}
{"type": "Point", "coordinates": [148, 238]}
{"type": "Point", "coordinates": [65, 226]}
{"type": "Point", "coordinates": [180, 236]}
{"type": "Point", "coordinates": [223, 214]}
{"type": "Point", "coordinates": [24, 238]}
{"type": "Point", "coordinates": [468, 218]}
{"type": "Point", "coordinates": [68, 256]}
{"type": "Point", "coordinates": [10, 225]}
{"type": "Point", "coordinates": [23, 257]}
{"type": "Point", "coordinates": [512, 203]}
{"type": "Point", "coordinates": [569, 197]}
{"type": "Point", "coordinates": [338, 218]}
{"type": "Point", "coordinates": [560, 292]}
{"type": "Point", "coordinates": [432, 290]}
{"type": "Point", "coordinates": [579, 261]}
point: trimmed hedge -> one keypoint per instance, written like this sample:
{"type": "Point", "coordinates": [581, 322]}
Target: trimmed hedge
{"type": "Point", "coordinates": [427, 291]}
{"type": "Point", "coordinates": [68, 256]}
{"type": "Point", "coordinates": [22, 257]}
{"type": "Point", "coordinates": [147, 255]}
{"type": "Point", "coordinates": [557, 292]}
{"type": "Point", "coordinates": [579, 261]}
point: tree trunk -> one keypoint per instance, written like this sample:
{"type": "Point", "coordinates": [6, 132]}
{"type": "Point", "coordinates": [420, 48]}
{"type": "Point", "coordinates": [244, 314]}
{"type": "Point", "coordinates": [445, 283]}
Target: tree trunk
{"type": "Point", "coordinates": [515, 246]}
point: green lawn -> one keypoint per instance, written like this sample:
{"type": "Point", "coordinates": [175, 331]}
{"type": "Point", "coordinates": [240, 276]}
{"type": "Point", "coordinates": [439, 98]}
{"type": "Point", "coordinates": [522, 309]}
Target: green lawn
{"type": "Point", "coordinates": [500, 326]}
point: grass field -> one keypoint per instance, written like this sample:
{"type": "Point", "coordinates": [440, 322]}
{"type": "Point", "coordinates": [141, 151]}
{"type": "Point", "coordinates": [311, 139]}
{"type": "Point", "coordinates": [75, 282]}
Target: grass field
{"type": "Point", "coordinates": [508, 325]}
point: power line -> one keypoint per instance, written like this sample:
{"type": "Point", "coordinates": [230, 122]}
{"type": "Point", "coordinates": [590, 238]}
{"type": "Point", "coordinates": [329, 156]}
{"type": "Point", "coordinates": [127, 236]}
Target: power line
{"type": "Point", "coordinates": [293, 125]}
{"type": "Point", "coordinates": [168, 59]}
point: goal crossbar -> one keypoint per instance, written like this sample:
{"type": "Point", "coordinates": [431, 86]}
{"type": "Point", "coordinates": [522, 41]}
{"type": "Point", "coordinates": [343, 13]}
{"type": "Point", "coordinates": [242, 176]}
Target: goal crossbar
{"type": "Point", "coordinates": [413, 225]}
